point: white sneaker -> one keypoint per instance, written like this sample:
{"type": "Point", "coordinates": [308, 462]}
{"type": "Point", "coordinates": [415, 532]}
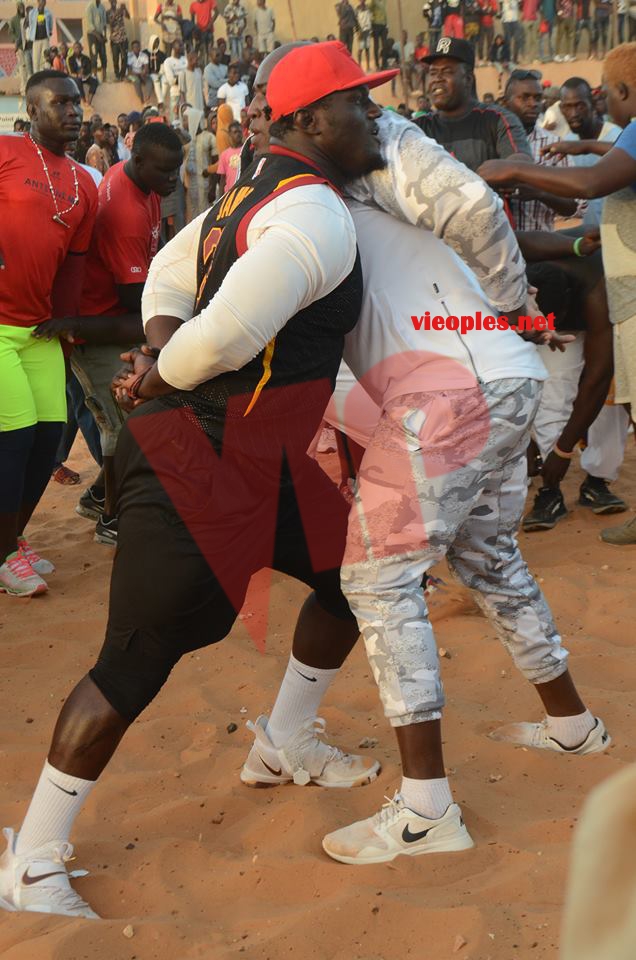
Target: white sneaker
{"type": "Point", "coordinates": [397, 830]}
{"type": "Point", "coordinates": [38, 563]}
{"type": "Point", "coordinates": [536, 735]}
{"type": "Point", "coordinates": [19, 579]}
{"type": "Point", "coordinates": [304, 759]}
{"type": "Point", "coordinates": [38, 881]}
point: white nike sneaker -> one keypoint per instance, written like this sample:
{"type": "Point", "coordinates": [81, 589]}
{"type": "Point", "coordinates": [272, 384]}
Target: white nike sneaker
{"type": "Point", "coordinates": [536, 735]}
{"type": "Point", "coordinates": [304, 759]}
{"type": "Point", "coordinates": [397, 830]}
{"type": "Point", "coordinates": [38, 881]}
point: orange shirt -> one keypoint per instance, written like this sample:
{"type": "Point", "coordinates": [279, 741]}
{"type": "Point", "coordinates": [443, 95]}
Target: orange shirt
{"type": "Point", "coordinates": [33, 246]}
{"type": "Point", "coordinates": [125, 240]}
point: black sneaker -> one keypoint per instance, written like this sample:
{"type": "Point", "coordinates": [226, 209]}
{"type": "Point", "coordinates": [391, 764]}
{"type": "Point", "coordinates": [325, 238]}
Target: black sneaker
{"type": "Point", "coordinates": [106, 531]}
{"type": "Point", "coordinates": [90, 506]}
{"type": "Point", "coordinates": [596, 494]}
{"type": "Point", "coordinates": [547, 510]}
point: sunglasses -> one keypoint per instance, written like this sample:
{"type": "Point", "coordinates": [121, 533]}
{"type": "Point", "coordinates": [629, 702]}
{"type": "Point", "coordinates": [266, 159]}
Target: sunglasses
{"type": "Point", "coordinates": [525, 75]}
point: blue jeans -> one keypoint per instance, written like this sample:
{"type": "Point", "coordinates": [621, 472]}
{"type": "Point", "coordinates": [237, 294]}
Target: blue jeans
{"type": "Point", "coordinates": [236, 48]}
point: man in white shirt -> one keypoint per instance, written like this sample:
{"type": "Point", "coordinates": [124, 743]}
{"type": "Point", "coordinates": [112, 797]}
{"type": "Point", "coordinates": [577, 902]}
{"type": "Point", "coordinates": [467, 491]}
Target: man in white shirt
{"type": "Point", "coordinates": [173, 67]}
{"type": "Point", "coordinates": [214, 76]}
{"type": "Point", "coordinates": [139, 72]}
{"type": "Point", "coordinates": [245, 315]}
{"type": "Point", "coordinates": [191, 83]}
{"type": "Point", "coordinates": [234, 92]}
{"type": "Point", "coordinates": [265, 25]}
{"type": "Point", "coordinates": [444, 475]}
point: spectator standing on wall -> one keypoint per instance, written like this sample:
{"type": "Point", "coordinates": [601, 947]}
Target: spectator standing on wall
{"type": "Point", "coordinates": [265, 25]}
{"type": "Point", "coordinates": [40, 33]}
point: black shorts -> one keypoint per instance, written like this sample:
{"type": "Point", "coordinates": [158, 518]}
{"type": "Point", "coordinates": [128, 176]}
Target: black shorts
{"type": "Point", "coordinates": [193, 529]}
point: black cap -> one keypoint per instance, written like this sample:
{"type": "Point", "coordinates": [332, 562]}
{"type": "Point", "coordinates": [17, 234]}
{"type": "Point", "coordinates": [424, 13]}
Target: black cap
{"type": "Point", "coordinates": [457, 49]}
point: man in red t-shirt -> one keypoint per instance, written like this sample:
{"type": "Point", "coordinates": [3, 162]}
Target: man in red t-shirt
{"type": "Point", "coordinates": [204, 14]}
{"type": "Point", "coordinates": [125, 240]}
{"type": "Point", "coordinates": [48, 206]}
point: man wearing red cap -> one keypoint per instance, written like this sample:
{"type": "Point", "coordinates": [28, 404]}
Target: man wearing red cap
{"type": "Point", "coordinates": [245, 314]}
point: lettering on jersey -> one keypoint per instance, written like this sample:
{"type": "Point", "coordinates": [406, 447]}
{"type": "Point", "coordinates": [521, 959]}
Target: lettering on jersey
{"type": "Point", "coordinates": [211, 242]}
{"type": "Point", "coordinates": [232, 199]}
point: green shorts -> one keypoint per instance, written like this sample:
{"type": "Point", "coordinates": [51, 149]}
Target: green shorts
{"type": "Point", "coordinates": [32, 379]}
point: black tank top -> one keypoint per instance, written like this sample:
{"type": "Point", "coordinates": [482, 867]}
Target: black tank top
{"type": "Point", "coordinates": [298, 368]}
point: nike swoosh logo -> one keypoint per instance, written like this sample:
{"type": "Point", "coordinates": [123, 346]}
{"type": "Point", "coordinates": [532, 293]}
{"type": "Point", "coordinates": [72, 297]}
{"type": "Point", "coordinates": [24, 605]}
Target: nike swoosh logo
{"type": "Point", "coordinates": [276, 773]}
{"type": "Point", "coordinates": [409, 837]}
{"type": "Point", "coordinates": [305, 677]}
{"type": "Point", "coordinates": [28, 881]}
{"type": "Point", "coordinates": [71, 793]}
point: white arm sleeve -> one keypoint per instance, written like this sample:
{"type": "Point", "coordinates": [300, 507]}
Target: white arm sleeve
{"type": "Point", "coordinates": [300, 248]}
{"type": "Point", "coordinates": [171, 286]}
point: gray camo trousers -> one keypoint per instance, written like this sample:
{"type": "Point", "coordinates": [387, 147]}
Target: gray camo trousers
{"type": "Point", "coordinates": [445, 474]}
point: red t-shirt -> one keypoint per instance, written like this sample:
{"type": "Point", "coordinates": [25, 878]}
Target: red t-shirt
{"type": "Point", "coordinates": [125, 240]}
{"type": "Point", "coordinates": [203, 11]}
{"type": "Point", "coordinates": [32, 244]}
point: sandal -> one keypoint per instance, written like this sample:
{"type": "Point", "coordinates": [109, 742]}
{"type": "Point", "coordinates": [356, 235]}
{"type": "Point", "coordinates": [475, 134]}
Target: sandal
{"type": "Point", "coordinates": [65, 476]}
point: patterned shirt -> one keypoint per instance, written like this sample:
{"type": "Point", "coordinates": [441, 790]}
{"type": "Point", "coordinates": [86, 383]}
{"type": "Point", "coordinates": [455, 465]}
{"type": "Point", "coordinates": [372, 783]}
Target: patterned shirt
{"type": "Point", "coordinates": [116, 21]}
{"type": "Point", "coordinates": [533, 214]}
{"type": "Point", "coordinates": [235, 17]}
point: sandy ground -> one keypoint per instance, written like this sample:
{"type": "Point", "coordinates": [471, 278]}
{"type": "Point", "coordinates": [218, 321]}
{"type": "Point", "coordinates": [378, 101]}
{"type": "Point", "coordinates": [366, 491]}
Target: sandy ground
{"type": "Point", "coordinates": [203, 867]}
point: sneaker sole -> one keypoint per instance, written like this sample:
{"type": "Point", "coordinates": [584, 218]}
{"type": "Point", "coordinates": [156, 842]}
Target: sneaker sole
{"type": "Point", "coordinates": [88, 513]}
{"type": "Point", "coordinates": [107, 541]}
{"type": "Point", "coordinates": [41, 588]}
{"type": "Point", "coordinates": [529, 527]}
{"type": "Point", "coordinates": [442, 846]}
{"type": "Point", "coordinates": [601, 511]}
{"type": "Point", "coordinates": [258, 780]}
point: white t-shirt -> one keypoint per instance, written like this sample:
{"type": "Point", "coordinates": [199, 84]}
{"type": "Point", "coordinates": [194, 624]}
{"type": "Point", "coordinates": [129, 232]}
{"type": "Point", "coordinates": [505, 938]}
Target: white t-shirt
{"type": "Point", "coordinates": [408, 271]}
{"type": "Point", "coordinates": [300, 247]}
{"type": "Point", "coordinates": [235, 95]}
{"type": "Point", "coordinates": [264, 20]}
{"type": "Point", "coordinates": [136, 64]}
{"type": "Point", "coordinates": [173, 67]}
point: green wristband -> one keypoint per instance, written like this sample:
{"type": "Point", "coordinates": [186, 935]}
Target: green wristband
{"type": "Point", "coordinates": [577, 247]}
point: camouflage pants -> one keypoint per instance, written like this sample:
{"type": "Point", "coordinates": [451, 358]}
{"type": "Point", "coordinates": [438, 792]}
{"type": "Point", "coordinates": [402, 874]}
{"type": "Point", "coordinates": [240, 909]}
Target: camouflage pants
{"type": "Point", "coordinates": [445, 475]}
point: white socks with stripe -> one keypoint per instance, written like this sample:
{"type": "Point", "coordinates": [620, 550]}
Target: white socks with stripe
{"type": "Point", "coordinates": [429, 798]}
{"type": "Point", "coordinates": [571, 731]}
{"type": "Point", "coordinates": [298, 699]}
{"type": "Point", "coordinates": [56, 802]}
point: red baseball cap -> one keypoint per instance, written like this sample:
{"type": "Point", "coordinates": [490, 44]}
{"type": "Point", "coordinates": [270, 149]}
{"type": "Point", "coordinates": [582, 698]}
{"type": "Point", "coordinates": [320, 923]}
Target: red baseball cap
{"type": "Point", "coordinates": [314, 71]}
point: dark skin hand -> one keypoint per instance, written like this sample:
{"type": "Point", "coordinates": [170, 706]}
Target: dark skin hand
{"type": "Point", "coordinates": [577, 148]}
{"type": "Point", "coordinates": [615, 171]}
{"type": "Point", "coordinates": [124, 329]}
{"type": "Point", "coordinates": [539, 245]}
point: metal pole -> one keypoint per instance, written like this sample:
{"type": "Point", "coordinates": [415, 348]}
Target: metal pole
{"type": "Point", "coordinates": [291, 17]}
{"type": "Point", "coordinates": [405, 93]}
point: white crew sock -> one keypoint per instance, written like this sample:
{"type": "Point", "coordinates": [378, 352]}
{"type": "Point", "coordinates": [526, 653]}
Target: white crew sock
{"type": "Point", "coordinates": [57, 800]}
{"type": "Point", "coordinates": [429, 798]}
{"type": "Point", "coordinates": [298, 699]}
{"type": "Point", "coordinates": [571, 731]}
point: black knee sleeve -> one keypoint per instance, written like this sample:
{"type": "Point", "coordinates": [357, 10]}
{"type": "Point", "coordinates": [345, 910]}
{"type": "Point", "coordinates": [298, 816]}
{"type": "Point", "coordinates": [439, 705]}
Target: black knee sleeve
{"type": "Point", "coordinates": [131, 670]}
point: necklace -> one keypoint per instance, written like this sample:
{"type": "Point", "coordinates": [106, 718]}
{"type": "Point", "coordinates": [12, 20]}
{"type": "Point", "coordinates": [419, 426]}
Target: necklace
{"type": "Point", "coordinates": [57, 216]}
